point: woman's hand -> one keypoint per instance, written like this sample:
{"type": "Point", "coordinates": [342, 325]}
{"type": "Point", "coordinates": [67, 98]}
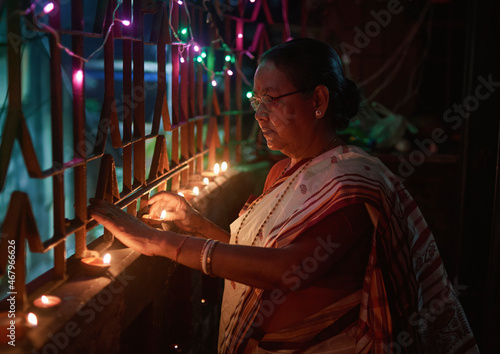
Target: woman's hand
{"type": "Point", "coordinates": [177, 210]}
{"type": "Point", "coordinates": [127, 228]}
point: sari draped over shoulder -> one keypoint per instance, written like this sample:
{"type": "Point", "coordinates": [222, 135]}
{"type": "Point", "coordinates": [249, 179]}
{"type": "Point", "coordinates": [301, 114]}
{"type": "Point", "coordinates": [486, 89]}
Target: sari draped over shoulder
{"type": "Point", "coordinates": [407, 303]}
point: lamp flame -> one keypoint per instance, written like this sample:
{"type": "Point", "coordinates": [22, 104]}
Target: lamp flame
{"type": "Point", "coordinates": [44, 299]}
{"type": "Point", "coordinates": [223, 166]}
{"type": "Point", "coordinates": [196, 191]}
{"type": "Point", "coordinates": [181, 194]}
{"type": "Point", "coordinates": [32, 320]}
{"type": "Point", "coordinates": [163, 214]}
{"type": "Point", "coordinates": [216, 169]}
{"type": "Point", "coordinates": [106, 259]}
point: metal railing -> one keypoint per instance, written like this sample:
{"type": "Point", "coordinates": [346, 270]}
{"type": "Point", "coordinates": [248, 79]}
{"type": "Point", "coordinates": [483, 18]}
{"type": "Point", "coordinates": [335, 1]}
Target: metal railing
{"type": "Point", "coordinates": [194, 108]}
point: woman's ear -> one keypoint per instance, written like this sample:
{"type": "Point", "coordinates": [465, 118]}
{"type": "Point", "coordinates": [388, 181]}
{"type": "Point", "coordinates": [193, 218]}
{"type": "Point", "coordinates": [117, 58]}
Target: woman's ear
{"type": "Point", "coordinates": [321, 99]}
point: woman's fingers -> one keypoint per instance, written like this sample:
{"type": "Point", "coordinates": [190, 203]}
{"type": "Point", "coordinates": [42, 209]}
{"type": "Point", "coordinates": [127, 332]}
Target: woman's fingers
{"type": "Point", "coordinates": [126, 227]}
{"type": "Point", "coordinates": [174, 206]}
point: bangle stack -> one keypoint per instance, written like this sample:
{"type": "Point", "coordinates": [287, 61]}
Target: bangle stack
{"type": "Point", "coordinates": [206, 256]}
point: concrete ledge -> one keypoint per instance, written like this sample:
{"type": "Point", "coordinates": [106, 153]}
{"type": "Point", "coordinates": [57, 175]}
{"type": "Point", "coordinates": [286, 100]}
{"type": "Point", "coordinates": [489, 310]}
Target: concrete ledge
{"type": "Point", "coordinates": [141, 304]}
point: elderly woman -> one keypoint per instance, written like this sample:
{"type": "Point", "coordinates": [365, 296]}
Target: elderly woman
{"type": "Point", "coordinates": [333, 256]}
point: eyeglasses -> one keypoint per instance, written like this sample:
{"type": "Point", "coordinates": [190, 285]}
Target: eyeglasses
{"type": "Point", "coordinates": [268, 101]}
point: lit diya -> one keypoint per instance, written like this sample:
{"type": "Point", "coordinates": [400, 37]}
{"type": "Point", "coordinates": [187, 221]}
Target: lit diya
{"type": "Point", "coordinates": [154, 221]}
{"type": "Point", "coordinates": [14, 326]}
{"type": "Point", "coordinates": [47, 302]}
{"type": "Point", "coordinates": [96, 265]}
{"type": "Point", "coordinates": [189, 194]}
{"type": "Point", "coordinates": [211, 175]}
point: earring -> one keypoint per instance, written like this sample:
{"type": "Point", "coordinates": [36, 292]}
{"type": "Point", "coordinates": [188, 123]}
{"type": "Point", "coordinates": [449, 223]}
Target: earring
{"type": "Point", "coordinates": [318, 113]}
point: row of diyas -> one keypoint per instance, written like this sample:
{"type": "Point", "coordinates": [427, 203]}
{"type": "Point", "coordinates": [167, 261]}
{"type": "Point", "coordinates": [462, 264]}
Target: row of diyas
{"type": "Point", "coordinates": [14, 325]}
{"type": "Point", "coordinates": [217, 171]}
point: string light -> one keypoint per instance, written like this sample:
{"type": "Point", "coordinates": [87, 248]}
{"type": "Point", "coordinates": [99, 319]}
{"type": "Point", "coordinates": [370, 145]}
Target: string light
{"type": "Point", "coordinates": [249, 94]}
{"type": "Point", "coordinates": [79, 76]}
{"type": "Point", "coordinates": [182, 44]}
{"type": "Point", "coordinates": [48, 8]}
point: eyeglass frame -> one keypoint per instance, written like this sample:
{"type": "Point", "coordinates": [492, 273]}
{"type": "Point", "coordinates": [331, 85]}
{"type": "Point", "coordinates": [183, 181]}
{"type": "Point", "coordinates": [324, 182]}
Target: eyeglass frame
{"type": "Point", "coordinates": [254, 99]}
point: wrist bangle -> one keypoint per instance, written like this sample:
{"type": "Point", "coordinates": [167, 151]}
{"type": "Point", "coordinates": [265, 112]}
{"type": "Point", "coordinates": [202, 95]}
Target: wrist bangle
{"type": "Point", "coordinates": [203, 255]}
{"type": "Point", "coordinates": [209, 258]}
{"type": "Point", "coordinates": [178, 250]}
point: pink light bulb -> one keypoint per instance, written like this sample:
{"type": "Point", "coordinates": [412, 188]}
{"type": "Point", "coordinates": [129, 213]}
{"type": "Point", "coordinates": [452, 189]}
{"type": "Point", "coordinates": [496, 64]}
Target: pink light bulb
{"type": "Point", "coordinates": [214, 83]}
{"type": "Point", "coordinates": [240, 35]}
{"type": "Point", "coordinates": [79, 77]}
{"type": "Point", "coordinates": [196, 48]}
{"type": "Point", "coordinates": [48, 8]}
{"type": "Point", "coordinates": [126, 22]}
{"type": "Point", "coordinates": [230, 72]}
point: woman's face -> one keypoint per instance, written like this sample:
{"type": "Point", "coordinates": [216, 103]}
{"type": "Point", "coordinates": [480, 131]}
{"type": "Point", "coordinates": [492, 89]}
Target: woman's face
{"type": "Point", "coordinates": [289, 124]}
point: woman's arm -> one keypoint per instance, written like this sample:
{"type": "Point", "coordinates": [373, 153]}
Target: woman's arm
{"type": "Point", "coordinates": [266, 268]}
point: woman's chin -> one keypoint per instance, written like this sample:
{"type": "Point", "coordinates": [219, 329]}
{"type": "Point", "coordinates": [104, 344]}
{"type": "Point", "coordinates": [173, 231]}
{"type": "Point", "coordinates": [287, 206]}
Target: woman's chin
{"type": "Point", "coordinates": [272, 146]}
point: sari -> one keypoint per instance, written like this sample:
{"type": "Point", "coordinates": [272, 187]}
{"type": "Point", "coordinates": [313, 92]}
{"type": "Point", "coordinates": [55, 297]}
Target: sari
{"type": "Point", "coordinates": [407, 303]}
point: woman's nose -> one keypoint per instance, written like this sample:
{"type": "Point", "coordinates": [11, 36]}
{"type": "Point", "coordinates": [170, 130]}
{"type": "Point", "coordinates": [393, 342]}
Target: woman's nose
{"type": "Point", "coordinates": [261, 113]}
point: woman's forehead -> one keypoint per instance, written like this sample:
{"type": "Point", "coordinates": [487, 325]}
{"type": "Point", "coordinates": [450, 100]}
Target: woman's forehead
{"type": "Point", "coordinates": [268, 77]}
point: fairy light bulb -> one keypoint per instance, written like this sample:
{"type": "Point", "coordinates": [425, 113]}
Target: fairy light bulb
{"type": "Point", "coordinates": [196, 48]}
{"type": "Point", "coordinates": [126, 22]}
{"type": "Point", "coordinates": [252, 1]}
{"type": "Point", "coordinates": [182, 60]}
{"type": "Point", "coordinates": [199, 59]}
{"type": "Point", "coordinates": [184, 31]}
{"type": "Point", "coordinates": [228, 58]}
{"type": "Point", "coordinates": [48, 8]}
{"type": "Point", "coordinates": [78, 77]}
{"type": "Point", "coordinates": [230, 72]}
{"type": "Point", "coordinates": [249, 94]}
{"type": "Point", "coordinates": [180, 2]}
{"type": "Point", "coordinates": [240, 35]}
{"type": "Point", "coordinates": [214, 83]}
{"type": "Point", "coordinates": [203, 55]}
